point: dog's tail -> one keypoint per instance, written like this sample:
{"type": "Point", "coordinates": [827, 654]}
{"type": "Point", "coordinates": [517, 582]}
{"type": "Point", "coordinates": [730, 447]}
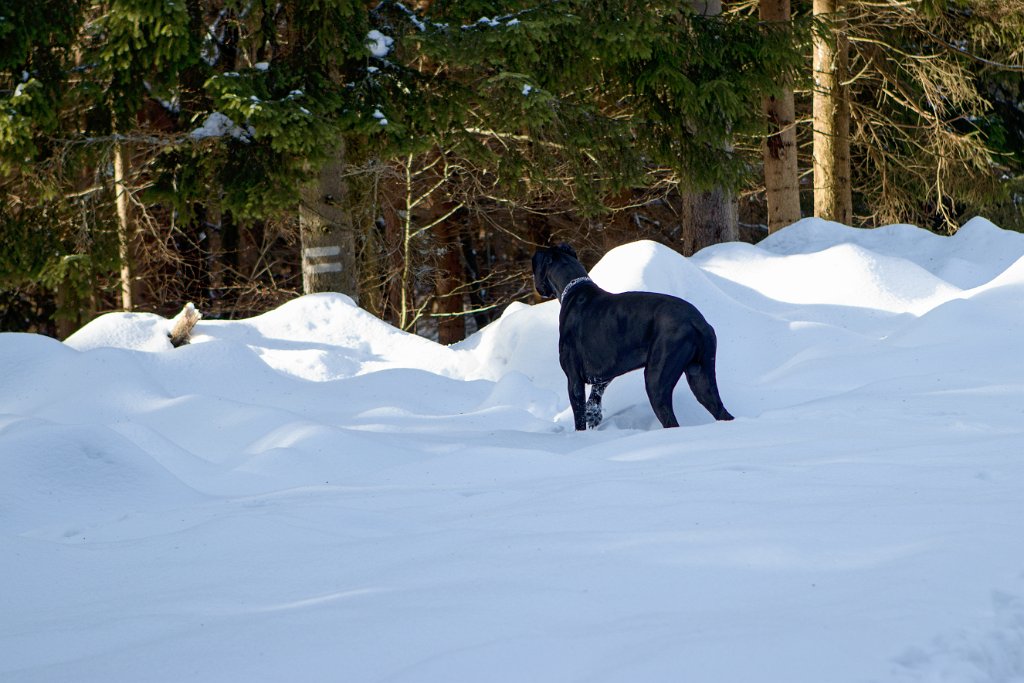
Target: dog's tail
{"type": "Point", "coordinates": [702, 377]}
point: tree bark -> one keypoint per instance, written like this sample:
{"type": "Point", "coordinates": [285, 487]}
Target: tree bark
{"type": "Point", "coordinates": [328, 238]}
{"type": "Point", "coordinates": [779, 150]}
{"type": "Point", "coordinates": [708, 218]}
{"type": "Point", "coordinates": [832, 186]}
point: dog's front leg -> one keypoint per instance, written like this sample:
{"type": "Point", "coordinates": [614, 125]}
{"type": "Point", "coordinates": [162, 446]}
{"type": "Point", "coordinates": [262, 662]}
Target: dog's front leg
{"type": "Point", "coordinates": [593, 409]}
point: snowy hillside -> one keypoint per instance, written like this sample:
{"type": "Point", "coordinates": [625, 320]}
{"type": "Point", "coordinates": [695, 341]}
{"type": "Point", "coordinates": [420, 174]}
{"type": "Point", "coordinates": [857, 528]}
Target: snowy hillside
{"type": "Point", "coordinates": [312, 495]}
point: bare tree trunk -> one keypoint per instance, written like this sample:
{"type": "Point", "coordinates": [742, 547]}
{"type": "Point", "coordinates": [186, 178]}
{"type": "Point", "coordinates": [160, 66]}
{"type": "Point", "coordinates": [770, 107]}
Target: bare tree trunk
{"type": "Point", "coordinates": [708, 217]}
{"type": "Point", "coordinates": [328, 239]}
{"type": "Point", "coordinates": [124, 231]}
{"type": "Point", "coordinates": [832, 189]}
{"type": "Point", "coordinates": [781, 174]}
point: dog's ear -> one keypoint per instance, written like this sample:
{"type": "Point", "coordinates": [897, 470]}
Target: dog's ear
{"type": "Point", "coordinates": [565, 247]}
{"type": "Point", "coordinates": [541, 259]}
{"type": "Point", "coordinates": [538, 260]}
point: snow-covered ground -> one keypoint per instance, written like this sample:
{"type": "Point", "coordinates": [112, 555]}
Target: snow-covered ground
{"type": "Point", "coordinates": [312, 495]}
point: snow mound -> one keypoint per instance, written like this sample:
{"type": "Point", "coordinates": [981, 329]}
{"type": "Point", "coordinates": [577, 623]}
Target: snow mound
{"type": "Point", "coordinates": [138, 331]}
{"type": "Point", "coordinates": [332, 493]}
{"type": "Point", "coordinates": [846, 274]}
{"type": "Point", "coordinates": [977, 253]}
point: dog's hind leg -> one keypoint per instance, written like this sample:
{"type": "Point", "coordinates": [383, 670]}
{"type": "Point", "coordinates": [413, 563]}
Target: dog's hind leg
{"type": "Point", "coordinates": [593, 409]}
{"type": "Point", "coordinates": [701, 378]}
{"type": "Point", "coordinates": [665, 365]}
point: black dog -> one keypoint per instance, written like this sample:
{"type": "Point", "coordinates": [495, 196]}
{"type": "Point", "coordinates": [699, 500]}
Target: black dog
{"type": "Point", "coordinates": [602, 336]}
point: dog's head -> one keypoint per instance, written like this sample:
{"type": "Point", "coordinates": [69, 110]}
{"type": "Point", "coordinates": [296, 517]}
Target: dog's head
{"type": "Point", "coordinates": [548, 259]}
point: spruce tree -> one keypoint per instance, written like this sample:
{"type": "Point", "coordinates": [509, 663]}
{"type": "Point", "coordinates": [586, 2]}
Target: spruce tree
{"type": "Point", "coordinates": [49, 261]}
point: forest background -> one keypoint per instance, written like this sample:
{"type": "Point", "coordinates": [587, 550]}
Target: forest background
{"type": "Point", "coordinates": [238, 153]}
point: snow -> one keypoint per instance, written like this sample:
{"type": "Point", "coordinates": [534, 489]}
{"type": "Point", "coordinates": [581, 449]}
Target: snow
{"type": "Point", "coordinates": [312, 491]}
{"type": "Point", "coordinates": [379, 44]}
{"type": "Point", "coordinates": [218, 125]}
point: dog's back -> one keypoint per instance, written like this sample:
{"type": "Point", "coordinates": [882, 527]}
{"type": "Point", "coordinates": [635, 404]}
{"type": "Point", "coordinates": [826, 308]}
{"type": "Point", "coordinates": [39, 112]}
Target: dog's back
{"type": "Point", "coordinates": [614, 333]}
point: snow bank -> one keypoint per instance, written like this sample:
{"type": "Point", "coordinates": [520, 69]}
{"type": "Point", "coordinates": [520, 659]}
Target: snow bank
{"type": "Point", "coordinates": [317, 487]}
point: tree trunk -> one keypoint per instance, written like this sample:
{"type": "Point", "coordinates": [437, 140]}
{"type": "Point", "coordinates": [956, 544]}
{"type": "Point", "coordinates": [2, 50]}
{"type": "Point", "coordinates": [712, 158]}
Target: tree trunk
{"type": "Point", "coordinates": [328, 239]}
{"type": "Point", "coordinates": [65, 324]}
{"type": "Point", "coordinates": [779, 150]}
{"type": "Point", "coordinates": [474, 276]}
{"type": "Point", "coordinates": [391, 268]}
{"type": "Point", "coordinates": [124, 231]}
{"type": "Point", "coordinates": [832, 190]}
{"type": "Point", "coordinates": [708, 218]}
{"type": "Point", "coordinates": [449, 283]}
{"type": "Point", "coordinates": [712, 216]}
{"type": "Point", "coordinates": [216, 259]}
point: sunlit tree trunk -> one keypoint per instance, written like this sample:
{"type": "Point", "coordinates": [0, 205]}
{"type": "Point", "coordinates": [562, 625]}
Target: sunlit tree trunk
{"type": "Point", "coordinates": [832, 189]}
{"type": "Point", "coordinates": [779, 150]}
{"type": "Point", "coordinates": [125, 235]}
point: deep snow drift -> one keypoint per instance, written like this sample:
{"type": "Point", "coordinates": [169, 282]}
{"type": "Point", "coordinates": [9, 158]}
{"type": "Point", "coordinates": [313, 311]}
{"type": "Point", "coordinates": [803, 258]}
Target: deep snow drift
{"type": "Point", "coordinates": [312, 495]}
